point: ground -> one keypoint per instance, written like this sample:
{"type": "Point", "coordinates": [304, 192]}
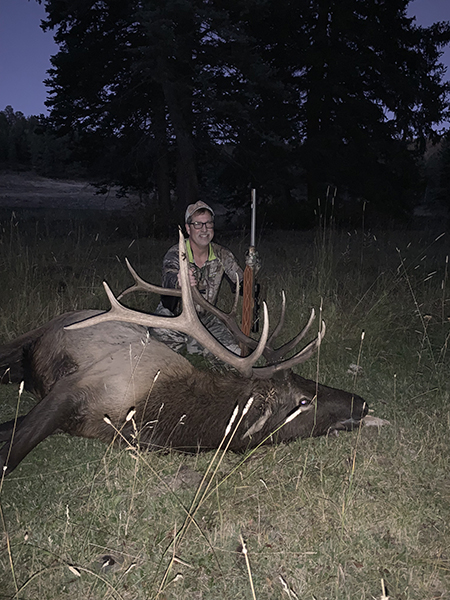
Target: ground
{"type": "Point", "coordinates": [27, 190]}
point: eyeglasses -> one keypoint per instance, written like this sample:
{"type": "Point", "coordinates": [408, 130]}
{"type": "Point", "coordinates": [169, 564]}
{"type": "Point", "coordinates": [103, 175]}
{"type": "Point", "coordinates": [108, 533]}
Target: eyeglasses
{"type": "Point", "coordinates": [199, 224]}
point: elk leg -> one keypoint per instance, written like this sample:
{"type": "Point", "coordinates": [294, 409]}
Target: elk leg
{"type": "Point", "coordinates": [44, 419]}
{"type": "Point", "coordinates": [7, 428]}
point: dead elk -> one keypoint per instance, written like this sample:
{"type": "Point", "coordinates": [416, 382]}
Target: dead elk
{"type": "Point", "coordinates": [87, 364]}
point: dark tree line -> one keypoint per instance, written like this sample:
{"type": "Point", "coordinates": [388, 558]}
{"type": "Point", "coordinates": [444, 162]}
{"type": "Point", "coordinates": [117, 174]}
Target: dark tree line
{"type": "Point", "coordinates": [204, 98]}
{"type": "Point", "coordinates": [34, 143]}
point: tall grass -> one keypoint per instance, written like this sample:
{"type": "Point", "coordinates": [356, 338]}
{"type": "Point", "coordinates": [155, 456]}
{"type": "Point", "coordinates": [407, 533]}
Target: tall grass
{"type": "Point", "coordinates": [358, 516]}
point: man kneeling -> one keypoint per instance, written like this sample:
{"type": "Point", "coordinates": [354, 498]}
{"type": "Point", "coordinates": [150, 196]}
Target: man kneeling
{"type": "Point", "coordinates": [209, 262]}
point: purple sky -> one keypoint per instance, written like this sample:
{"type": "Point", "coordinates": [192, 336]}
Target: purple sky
{"type": "Point", "coordinates": [25, 50]}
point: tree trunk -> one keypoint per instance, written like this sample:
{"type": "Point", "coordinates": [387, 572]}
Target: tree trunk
{"type": "Point", "coordinates": [177, 99]}
{"type": "Point", "coordinates": [162, 169]}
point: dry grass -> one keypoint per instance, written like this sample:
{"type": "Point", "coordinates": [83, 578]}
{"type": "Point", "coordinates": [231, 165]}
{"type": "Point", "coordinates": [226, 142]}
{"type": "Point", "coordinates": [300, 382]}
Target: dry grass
{"type": "Point", "coordinates": [357, 516]}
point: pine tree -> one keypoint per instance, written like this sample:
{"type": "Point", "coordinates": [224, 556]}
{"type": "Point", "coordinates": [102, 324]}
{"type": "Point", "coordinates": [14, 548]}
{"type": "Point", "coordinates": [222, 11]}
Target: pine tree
{"type": "Point", "coordinates": [209, 96]}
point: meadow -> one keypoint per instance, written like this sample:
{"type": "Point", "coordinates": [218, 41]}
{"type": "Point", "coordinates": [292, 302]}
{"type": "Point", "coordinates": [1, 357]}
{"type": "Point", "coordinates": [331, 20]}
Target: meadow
{"type": "Point", "coordinates": [357, 516]}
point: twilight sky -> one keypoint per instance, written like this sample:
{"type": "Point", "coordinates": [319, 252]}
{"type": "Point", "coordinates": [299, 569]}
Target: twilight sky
{"type": "Point", "coordinates": [25, 50]}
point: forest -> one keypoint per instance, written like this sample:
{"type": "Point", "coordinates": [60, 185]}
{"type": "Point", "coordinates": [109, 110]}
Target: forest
{"type": "Point", "coordinates": [188, 99]}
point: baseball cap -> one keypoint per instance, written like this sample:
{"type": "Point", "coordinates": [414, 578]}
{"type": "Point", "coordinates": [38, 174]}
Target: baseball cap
{"type": "Point", "coordinates": [193, 208]}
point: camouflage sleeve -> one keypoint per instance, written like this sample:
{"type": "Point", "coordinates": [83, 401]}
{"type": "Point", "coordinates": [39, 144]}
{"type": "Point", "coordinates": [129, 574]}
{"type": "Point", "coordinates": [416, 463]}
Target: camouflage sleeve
{"type": "Point", "coordinates": [171, 266]}
{"type": "Point", "coordinates": [231, 267]}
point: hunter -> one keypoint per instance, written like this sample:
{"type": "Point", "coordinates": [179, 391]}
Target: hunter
{"type": "Point", "coordinates": [209, 263]}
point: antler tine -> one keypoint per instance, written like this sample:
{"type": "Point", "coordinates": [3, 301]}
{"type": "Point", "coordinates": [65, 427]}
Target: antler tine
{"type": "Point", "coordinates": [300, 357]}
{"type": "Point", "coordinates": [236, 297]}
{"type": "Point", "coordinates": [187, 322]}
{"type": "Point", "coordinates": [119, 312]}
{"type": "Point", "coordinates": [143, 286]}
{"type": "Point", "coordinates": [278, 354]}
{"type": "Point", "coordinates": [279, 327]}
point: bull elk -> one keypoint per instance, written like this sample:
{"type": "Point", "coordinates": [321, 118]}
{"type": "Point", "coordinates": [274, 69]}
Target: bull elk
{"type": "Point", "coordinates": [88, 364]}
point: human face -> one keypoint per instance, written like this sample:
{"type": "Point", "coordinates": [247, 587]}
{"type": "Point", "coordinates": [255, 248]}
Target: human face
{"type": "Point", "coordinates": [200, 237]}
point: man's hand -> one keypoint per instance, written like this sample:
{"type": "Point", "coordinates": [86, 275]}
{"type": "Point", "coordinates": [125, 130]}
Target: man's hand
{"type": "Point", "coordinates": [192, 278]}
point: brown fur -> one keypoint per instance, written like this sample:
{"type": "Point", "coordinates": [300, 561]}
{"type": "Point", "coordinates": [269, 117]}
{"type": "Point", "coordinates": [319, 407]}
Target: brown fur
{"type": "Point", "coordinates": [82, 375]}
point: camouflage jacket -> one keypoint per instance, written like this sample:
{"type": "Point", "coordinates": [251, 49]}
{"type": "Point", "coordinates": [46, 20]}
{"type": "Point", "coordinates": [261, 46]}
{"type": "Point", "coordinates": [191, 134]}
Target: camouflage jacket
{"type": "Point", "coordinates": [220, 262]}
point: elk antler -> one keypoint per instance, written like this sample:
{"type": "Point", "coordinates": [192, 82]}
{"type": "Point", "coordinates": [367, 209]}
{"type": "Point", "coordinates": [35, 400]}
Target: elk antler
{"type": "Point", "coordinates": [274, 357]}
{"type": "Point", "coordinates": [187, 322]}
{"type": "Point", "coordinates": [229, 319]}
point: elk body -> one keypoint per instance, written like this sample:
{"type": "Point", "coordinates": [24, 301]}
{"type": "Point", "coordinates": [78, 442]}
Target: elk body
{"type": "Point", "coordinates": [85, 365]}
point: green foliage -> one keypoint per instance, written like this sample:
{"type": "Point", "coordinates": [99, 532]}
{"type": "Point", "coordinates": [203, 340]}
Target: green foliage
{"type": "Point", "coordinates": [333, 518]}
